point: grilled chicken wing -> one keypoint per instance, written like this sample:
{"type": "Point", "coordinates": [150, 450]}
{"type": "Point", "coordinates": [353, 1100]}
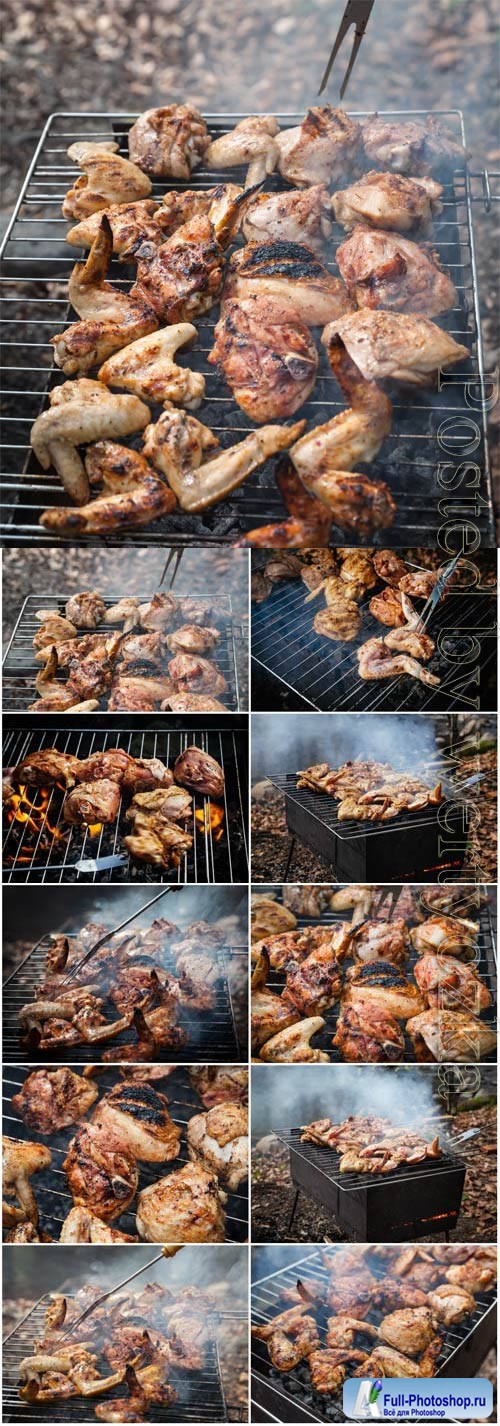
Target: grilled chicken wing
{"type": "Point", "coordinates": [398, 346]}
{"type": "Point", "coordinates": [186, 1207]}
{"type": "Point", "coordinates": [101, 1171]}
{"type": "Point", "coordinates": [131, 224]}
{"type": "Point", "coordinates": [322, 149]}
{"type": "Point", "coordinates": [380, 940]}
{"type": "Point", "coordinates": [21, 1159]}
{"type": "Point", "coordinates": [53, 629]}
{"type": "Point", "coordinates": [219, 1141]}
{"type": "Point", "coordinates": [475, 1275]}
{"type": "Point", "coordinates": [134, 494]}
{"type": "Point", "coordinates": [147, 368]}
{"type": "Point", "coordinates": [292, 274]}
{"type": "Point", "coordinates": [200, 772]}
{"type": "Point", "coordinates": [382, 269]}
{"type": "Point", "coordinates": [251, 142]}
{"type": "Point", "coordinates": [448, 985]}
{"type": "Point", "coordinates": [110, 319]}
{"type": "Point", "coordinates": [390, 201]}
{"type": "Point", "coordinates": [289, 1337]}
{"type": "Point", "coordinates": [408, 146]}
{"type": "Point", "coordinates": [387, 1362]}
{"type": "Point", "coordinates": [82, 1226]}
{"type": "Point", "coordinates": [375, 660]}
{"type": "Point", "coordinates": [179, 207]}
{"type": "Point", "coordinates": [446, 935]}
{"type": "Point", "coordinates": [294, 1044]}
{"type": "Point", "coordinates": [107, 178]}
{"type": "Point", "coordinates": [80, 412]}
{"type": "Point", "coordinates": [138, 1114]}
{"type": "Point", "coordinates": [343, 1330]}
{"type": "Point", "coordinates": [177, 443]}
{"type": "Point", "coordinates": [52, 1099]}
{"type": "Point", "coordinates": [300, 216]}
{"type": "Point", "coordinates": [269, 1012]}
{"type": "Point", "coordinates": [92, 802]}
{"type": "Point", "coordinates": [267, 355]}
{"type": "Point", "coordinates": [368, 1033]}
{"type": "Point", "coordinates": [309, 519]}
{"type": "Point", "coordinates": [440, 1035]}
{"type": "Point", "coordinates": [169, 142]}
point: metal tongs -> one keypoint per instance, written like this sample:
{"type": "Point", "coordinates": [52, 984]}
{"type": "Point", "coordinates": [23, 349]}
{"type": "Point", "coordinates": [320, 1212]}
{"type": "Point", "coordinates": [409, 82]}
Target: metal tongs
{"type": "Point", "coordinates": [114, 932]}
{"type": "Point", "coordinates": [357, 13]}
{"type": "Point", "coordinates": [439, 588]}
{"type": "Point", "coordinates": [166, 1252]}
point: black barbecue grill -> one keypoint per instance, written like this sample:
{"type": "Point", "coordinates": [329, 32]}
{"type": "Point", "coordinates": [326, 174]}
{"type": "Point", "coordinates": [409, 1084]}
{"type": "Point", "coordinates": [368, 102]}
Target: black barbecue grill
{"type": "Point", "coordinates": [432, 433]}
{"type": "Point", "coordinates": [486, 968]}
{"type": "Point", "coordinates": [321, 674]}
{"type": "Point", "coordinates": [413, 1201]}
{"type": "Point", "coordinates": [289, 1396]}
{"type": "Point", "coordinates": [200, 1394]}
{"type": "Point", "coordinates": [56, 852]}
{"type": "Point", "coordinates": [20, 669]}
{"type": "Point", "coordinates": [52, 1192]}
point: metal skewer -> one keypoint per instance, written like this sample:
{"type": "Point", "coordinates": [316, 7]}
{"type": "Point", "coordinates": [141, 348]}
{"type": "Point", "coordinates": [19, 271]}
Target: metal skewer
{"type": "Point", "coordinates": [166, 1252]}
{"type": "Point", "coordinates": [114, 932]}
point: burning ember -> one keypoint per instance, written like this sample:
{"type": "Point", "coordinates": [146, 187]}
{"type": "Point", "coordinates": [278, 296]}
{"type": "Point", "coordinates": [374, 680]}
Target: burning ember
{"type": "Point", "coordinates": [24, 813]}
{"type": "Point", "coordinates": [211, 819]}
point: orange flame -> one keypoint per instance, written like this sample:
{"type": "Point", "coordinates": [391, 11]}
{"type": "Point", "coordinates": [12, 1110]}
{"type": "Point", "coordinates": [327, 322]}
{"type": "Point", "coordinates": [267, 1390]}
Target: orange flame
{"type": "Point", "coordinates": [23, 812]}
{"type": "Point", "coordinates": [210, 819]}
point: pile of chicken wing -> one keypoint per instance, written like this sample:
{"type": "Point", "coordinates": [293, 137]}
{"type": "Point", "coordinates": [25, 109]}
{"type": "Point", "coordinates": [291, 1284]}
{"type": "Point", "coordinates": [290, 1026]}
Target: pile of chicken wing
{"type": "Point", "coordinates": [120, 355]}
{"type": "Point", "coordinates": [150, 1343]}
{"type": "Point", "coordinates": [157, 655]}
{"type": "Point", "coordinates": [355, 1322]}
{"type": "Point", "coordinates": [96, 788]}
{"type": "Point", "coordinates": [109, 1156]}
{"type": "Point", "coordinates": [392, 987]}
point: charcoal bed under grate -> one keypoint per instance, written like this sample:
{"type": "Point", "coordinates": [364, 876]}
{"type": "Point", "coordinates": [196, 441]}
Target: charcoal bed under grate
{"type": "Point", "coordinates": [218, 854]}
{"type": "Point", "coordinates": [486, 968]}
{"type": "Point", "coordinates": [200, 1394]}
{"type": "Point", "coordinates": [289, 1396]}
{"type": "Point", "coordinates": [20, 669]}
{"type": "Point", "coordinates": [52, 1192]}
{"type": "Point", "coordinates": [325, 674]}
{"type": "Point", "coordinates": [433, 432]}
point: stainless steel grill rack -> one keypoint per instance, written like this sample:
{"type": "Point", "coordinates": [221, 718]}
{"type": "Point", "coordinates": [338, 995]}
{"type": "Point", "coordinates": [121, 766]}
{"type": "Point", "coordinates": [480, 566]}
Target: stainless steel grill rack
{"type": "Point", "coordinates": [20, 669]}
{"type": "Point", "coordinates": [432, 433]}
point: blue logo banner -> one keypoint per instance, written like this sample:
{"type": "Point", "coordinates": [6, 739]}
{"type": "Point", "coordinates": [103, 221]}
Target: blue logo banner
{"type": "Point", "coordinates": [418, 1399]}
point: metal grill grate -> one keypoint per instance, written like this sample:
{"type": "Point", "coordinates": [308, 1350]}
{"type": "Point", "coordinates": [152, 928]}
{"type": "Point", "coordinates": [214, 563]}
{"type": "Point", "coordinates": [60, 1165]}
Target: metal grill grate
{"type": "Point", "coordinates": [324, 808]}
{"type": "Point", "coordinates": [20, 669]}
{"type": "Point", "coordinates": [55, 1202]}
{"type": "Point", "coordinates": [200, 1396]}
{"type": "Point", "coordinates": [432, 432]}
{"type": "Point", "coordinates": [486, 968]}
{"type": "Point", "coordinates": [47, 859]}
{"type": "Point", "coordinates": [290, 1396]}
{"type": "Point", "coordinates": [325, 674]}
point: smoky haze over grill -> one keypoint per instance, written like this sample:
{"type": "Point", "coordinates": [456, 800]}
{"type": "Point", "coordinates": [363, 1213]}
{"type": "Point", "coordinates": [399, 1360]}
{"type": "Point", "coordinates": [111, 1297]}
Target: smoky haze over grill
{"type": "Point", "coordinates": [287, 1096]}
{"type": "Point", "coordinates": [285, 744]}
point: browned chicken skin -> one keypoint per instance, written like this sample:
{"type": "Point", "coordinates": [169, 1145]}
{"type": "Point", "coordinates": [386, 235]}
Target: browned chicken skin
{"type": "Point", "coordinates": [52, 1099]}
{"type": "Point", "coordinates": [111, 319]}
{"type": "Point", "coordinates": [299, 216]}
{"type": "Point", "coordinates": [168, 142]}
{"type": "Point", "coordinates": [390, 201]}
{"type": "Point", "coordinates": [267, 355]}
{"type": "Point", "coordinates": [107, 178]}
{"type": "Point", "coordinates": [372, 1035]}
{"type": "Point", "coordinates": [193, 674]}
{"type": "Point", "coordinates": [200, 772]}
{"type": "Point", "coordinates": [270, 1013]}
{"type": "Point", "coordinates": [101, 1171]}
{"type": "Point", "coordinates": [92, 802]}
{"type": "Point", "coordinates": [397, 346]}
{"type": "Point", "coordinates": [131, 224]}
{"type": "Point", "coordinates": [383, 269]}
{"type": "Point", "coordinates": [185, 1207]}
{"type": "Point", "coordinates": [138, 1114]}
{"type": "Point", "coordinates": [321, 149]}
{"type": "Point", "coordinates": [21, 1159]}
{"type": "Point", "coordinates": [289, 1337]}
{"type": "Point", "coordinates": [408, 146]}
{"type": "Point", "coordinates": [219, 1140]}
{"type": "Point", "coordinates": [182, 278]}
{"type": "Point", "coordinates": [134, 494]}
{"type": "Point", "coordinates": [292, 274]}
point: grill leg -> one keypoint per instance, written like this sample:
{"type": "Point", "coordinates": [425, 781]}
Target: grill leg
{"type": "Point", "coordinates": [289, 859]}
{"type": "Point", "coordinates": [294, 1210]}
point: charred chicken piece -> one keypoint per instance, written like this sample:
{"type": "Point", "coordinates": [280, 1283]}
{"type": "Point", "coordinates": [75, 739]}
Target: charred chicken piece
{"type": "Point", "coordinates": [448, 985]}
{"type": "Point", "coordinates": [161, 613]}
{"type": "Point", "coordinates": [289, 1337]}
{"type": "Point", "coordinates": [147, 368]}
{"type": "Point", "coordinates": [322, 149]}
{"type": "Point", "coordinates": [92, 802]}
{"type": "Point", "coordinates": [81, 412]}
{"type": "Point", "coordinates": [168, 142]}
{"type": "Point", "coordinates": [177, 443]}
{"type": "Point", "coordinates": [389, 566]}
{"type": "Point", "coordinates": [397, 346]}
{"type": "Point", "coordinates": [329, 1367]}
{"type": "Point", "coordinates": [409, 146]}
{"type": "Point", "coordinates": [440, 1035]}
{"type": "Point", "coordinates": [110, 319]}
{"type": "Point", "coordinates": [392, 1293]}
{"type": "Point", "coordinates": [185, 1207]}
{"type": "Point", "coordinates": [52, 1099]}
{"type": "Point", "coordinates": [287, 948]}
{"type": "Point", "coordinates": [313, 985]}
{"type": "Point", "coordinates": [293, 275]}
{"type": "Point", "coordinates": [86, 610]}
{"type": "Point", "coordinates": [219, 1141]}
{"type": "Point", "coordinates": [294, 1044]}
{"type": "Point", "coordinates": [380, 940]}
{"type": "Point", "coordinates": [142, 651]}
{"type": "Point", "coordinates": [381, 986]}
{"type": "Point", "coordinates": [138, 1114]}
{"type": "Point", "coordinates": [182, 278]}
{"type": "Point", "coordinates": [112, 763]}
{"type": "Point", "coordinates": [44, 768]}
{"type": "Point", "coordinates": [131, 224]}
{"type": "Point", "coordinates": [446, 935]}
{"type": "Point", "coordinates": [101, 1171]}
{"type": "Point", "coordinates": [269, 1012]}
{"type": "Point", "coordinates": [382, 269]}
{"type": "Point", "coordinates": [389, 201]}
{"type": "Point", "coordinates": [134, 494]}
{"type": "Point", "coordinates": [267, 355]}
{"type": "Point", "coordinates": [21, 1159]}
{"type": "Point", "coordinates": [192, 639]}
{"type": "Point", "coordinates": [107, 179]}
{"type": "Point", "coordinates": [368, 1034]}
{"type": "Point", "coordinates": [476, 1275]}
{"type": "Point", "coordinates": [251, 142]}
{"type": "Point", "coordinates": [299, 216]}
{"type": "Point", "coordinates": [82, 1226]}
{"type": "Point", "coordinates": [200, 772]}
{"type": "Point", "coordinates": [193, 674]}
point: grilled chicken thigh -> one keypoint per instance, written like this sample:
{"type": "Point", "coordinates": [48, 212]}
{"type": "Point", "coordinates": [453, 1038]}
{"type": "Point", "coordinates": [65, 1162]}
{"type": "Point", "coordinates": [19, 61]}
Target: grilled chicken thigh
{"type": "Point", "coordinates": [299, 216]}
{"type": "Point", "coordinates": [408, 146]}
{"type": "Point", "coordinates": [218, 1084]}
{"type": "Point", "coordinates": [218, 1139]}
{"type": "Point", "coordinates": [380, 940]}
{"type": "Point", "coordinates": [86, 610]}
{"type": "Point", "coordinates": [101, 1171]}
{"type": "Point", "coordinates": [368, 1033]}
{"type": "Point", "coordinates": [138, 1114]}
{"type": "Point", "coordinates": [193, 674]}
{"type": "Point", "coordinates": [177, 443]}
{"type": "Point", "coordinates": [446, 935]}
{"type": "Point", "coordinates": [44, 768]}
{"type": "Point", "coordinates": [92, 802]}
{"type": "Point", "coordinates": [398, 346]}
{"type": "Point", "coordinates": [192, 639]}
{"type": "Point", "coordinates": [178, 207]}
{"type": "Point", "coordinates": [147, 368]}
{"type": "Point", "coordinates": [110, 318]}
{"type": "Point", "coordinates": [171, 802]}
{"type": "Point", "coordinates": [289, 1337]}
{"type": "Point", "coordinates": [389, 566]}
{"type": "Point", "coordinates": [451, 1303]}
{"type": "Point", "coordinates": [82, 1226]}
{"type": "Point", "coordinates": [294, 1044]}
{"type": "Point", "coordinates": [107, 178]}
{"type": "Point", "coordinates": [185, 1207]}
{"type": "Point", "coordinates": [251, 142]}
{"type": "Point", "coordinates": [418, 582]}
{"type": "Point", "coordinates": [200, 772]}
{"type": "Point", "coordinates": [375, 660]}
{"type": "Point", "coordinates": [382, 269]}
{"type": "Point", "coordinates": [81, 412]}
{"type": "Point", "coordinates": [267, 355]}
{"type": "Point", "coordinates": [134, 494]}
{"type": "Point", "coordinates": [293, 274]}
{"type": "Point", "coordinates": [131, 224]}
{"type": "Point", "coordinates": [387, 607]}
{"type": "Point", "coordinates": [154, 839]}
{"type": "Point", "coordinates": [314, 984]}
{"type": "Point", "coordinates": [381, 986]}
{"type": "Point", "coordinates": [21, 1159]}
{"type": "Point", "coordinates": [182, 278]}
{"type": "Point", "coordinates": [168, 142]}
{"type": "Point", "coordinates": [440, 1035]}
{"type": "Point", "coordinates": [321, 149]}
{"type": "Point", "coordinates": [390, 201]}
{"type": "Point", "coordinates": [449, 985]}
{"type": "Point", "coordinates": [52, 1099]}
{"type": "Point", "coordinates": [473, 1275]}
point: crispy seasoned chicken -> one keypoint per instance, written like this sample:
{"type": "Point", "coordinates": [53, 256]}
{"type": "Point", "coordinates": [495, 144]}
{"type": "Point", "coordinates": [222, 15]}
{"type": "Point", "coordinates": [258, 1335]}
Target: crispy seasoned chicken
{"type": "Point", "coordinates": [418, 582]}
{"type": "Point", "coordinates": [383, 269]}
{"type": "Point", "coordinates": [283, 949]}
{"type": "Point", "coordinates": [387, 1362]}
{"type": "Point", "coordinates": [218, 1084]}
{"type": "Point", "coordinates": [440, 1035]}
{"type": "Point", "coordinates": [134, 494]}
{"type": "Point", "coordinates": [219, 1141]}
{"type": "Point", "coordinates": [397, 346]}
{"type": "Point", "coordinates": [340, 622]}
{"type": "Point", "coordinates": [313, 985]}
{"type": "Point", "coordinates": [450, 1303]}
{"type": "Point", "coordinates": [380, 940]}
{"type": "Point", "coordinates": [375, 661]}
{"type": "Point", "coordinates": [192, 639]}
{"type": "Point", "coordinates": [289, 1337]}
{"type": "Point", "coordinates": [141, 651]}
{"type": "Point", "coordinates": [270, 918]}
{"type": "Point", "coordinates": [387, 607]}
{"type": "Point", "coordinates": [82, 1226]}
{"type": "Point", "coordinates": [177, 444]}
{"type": "Point", "coordinates": [21, 1159]}
{"type": "Point", "coordinates": [292, 274]}
{"type": "Point", "coordinates": [389, 566]}
{"type": "Point", "coordinates": [329, 1367]}
{"type": "Point", "coordinates": [379, 985]}
{"type": "Point", "coordinates": [161, 613]}
{"type": "Point", "coordinates": [147, 368]}
{"type": "Point", "coordinates": [52, 1099]}
{"type": "Point", "coordinates": [168, 142]}
{"type": "Point", "coordinates": [53, 629]}
{"type": "Point", "coordinates": [110, 318]}
{"type": "Point", "coordinates": [269, 1012]}
{"type": "Point", "coordinates": [182, 278]}
{"type": "Point", "coordinates": [446, 935]}
{"type": "Point", "coordinates": [193, 674]}
{"type": "Point", "coordinates": [390, 201]}
{"type": "Point", "coordinates": [131, 224]}
{"type": "Point", "coordinates": [267, 355]}
{"type": "Point", "coordinates": [322, 149]}
{"type": "Point", "coordinates": [411, 1330]}
{"type": "Point", "coordinates": [86, 610]}
{"type": "Point", "coordinates": [475, 1275]}
{"type": "Point", "coordinates": [200, 772]}
{"type": "Point", "coordinates": [178, 207]}
{"type": "Point", "coordinates": [101, 1171]}
{"type": "Point", "coordinates": [343, 1330]}
{"type": "Point", "coordinates": [146, 774]}
{"type": "Point", "coordinates": [294, 1044]}
{"type": "Point", "coordinates": [298, 216]}
{"type": "Point", "coordinates": [112, 763]}
{"type": "Point", "coordinates": [138, 1114]}
{"type": "Point", "coordinates": [81, 412]}
{"type": "Point", "coordinates": [251, 142]}
{"type": "Point", "coordinates": [368, 1034]}
{"type": "Point", "coordinates": [359, 898]}
{"type": "Point", "coordinates": [46, 767]}
{"type": "Point", "coordinates": [92, 802]}
{"type": "Point", "coordinates": [185, 1207]}
{"type": "Point", "coordinates": [391, 1294]}
{"type": "Point", "coordinates": [107, 179]}
{"type": "Point", "coordinates": [408, 146]}
{"type": "Point", "coordinates": [139, 693]}
{"type": "Point", "coordinates": [154, 839]}
{"type": "Point", "coordinates": [448, 985]}
{"type": "Point", "coordinates": [171, 802]}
